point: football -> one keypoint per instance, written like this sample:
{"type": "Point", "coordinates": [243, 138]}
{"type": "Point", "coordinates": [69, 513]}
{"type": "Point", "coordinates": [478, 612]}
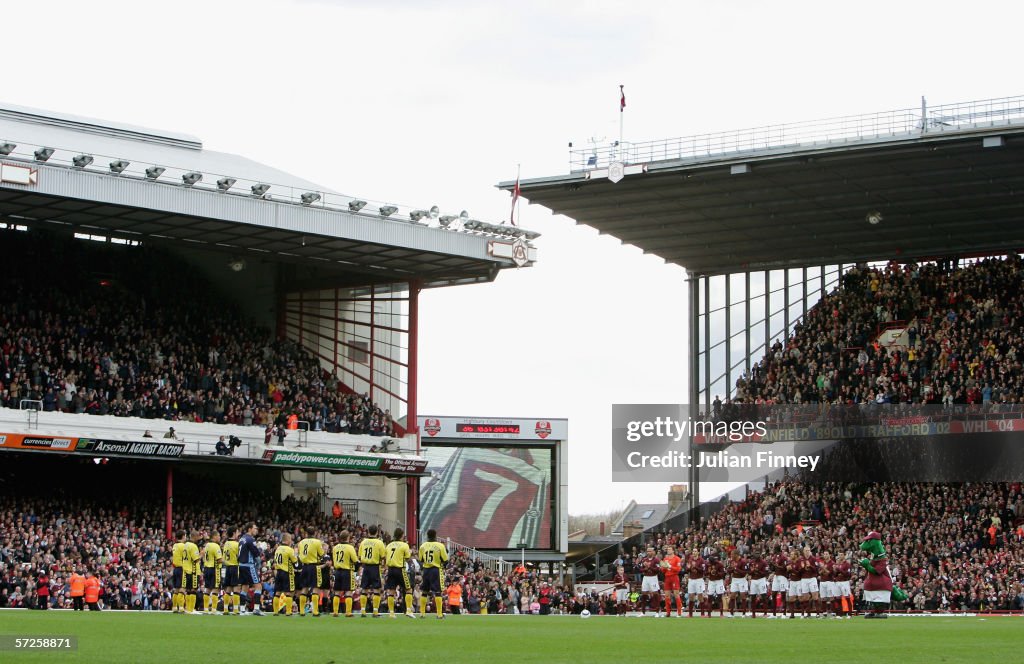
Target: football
{"type": "Point", "coordinates": [585, 614]}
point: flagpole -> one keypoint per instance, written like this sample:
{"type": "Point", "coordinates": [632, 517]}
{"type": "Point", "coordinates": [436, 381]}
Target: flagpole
{"type": "Point", "coordinates": [622, 114]}
{"type": "Point", "coordinates": [519, 168]}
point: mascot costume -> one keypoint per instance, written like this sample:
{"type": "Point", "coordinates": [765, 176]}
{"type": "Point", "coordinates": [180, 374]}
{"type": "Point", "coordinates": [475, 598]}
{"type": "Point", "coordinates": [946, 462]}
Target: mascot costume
{"type": "Point", "coordinates": [878, 588]}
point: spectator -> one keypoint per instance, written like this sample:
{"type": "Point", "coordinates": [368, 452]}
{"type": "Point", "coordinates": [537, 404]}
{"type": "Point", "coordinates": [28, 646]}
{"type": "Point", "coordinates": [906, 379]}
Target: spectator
{"type": "Point", "coordinates": [123, 355]}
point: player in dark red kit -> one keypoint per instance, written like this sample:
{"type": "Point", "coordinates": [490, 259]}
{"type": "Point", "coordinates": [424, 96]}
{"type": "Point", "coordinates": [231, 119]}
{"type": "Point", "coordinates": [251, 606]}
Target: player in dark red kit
{"type": "Point", "coordinates": [621, 585]}
{"type": "Point", "coordinates": [650, 566]}
{"type": "Point", "coordinates": [739, 587]}
{"type": "Point", "coordinates": [696, 588]}
{"type": "Point", "coordinates": [716, 585]}
{"type": "Point", "coordinates": [842, 574]}
{"type": "Point", "coordinates": [826, 586]}
{"type": "Point", "coordinates": [758, 569]}
{"type": "Point", "coordinates": [809, 584]}
{"type": "Point", "coordinates": [794, 572]}
{"type": "Point", "coordinates": [780, 583]}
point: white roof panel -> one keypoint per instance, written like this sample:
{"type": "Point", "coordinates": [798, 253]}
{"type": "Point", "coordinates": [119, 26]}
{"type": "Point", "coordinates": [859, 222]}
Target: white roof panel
{"type": "Point", "coordinates": [109, 141]}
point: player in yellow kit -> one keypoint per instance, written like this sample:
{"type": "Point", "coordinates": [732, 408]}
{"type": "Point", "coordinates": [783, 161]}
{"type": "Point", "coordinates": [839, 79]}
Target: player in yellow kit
{"type": "Point", "coordinates": [396, 557]}
{"type": "Point", "coordinates": [213, 558]}
{"type": "Point", "coordinates": [190, 559]}
{"type": "Point", "coordinates": [178, 576]}
{"type": "Point", "coordinates": [344, 559]}
{"type": "Point", "coordinates": [371, 555]}
{"type": "Point", "coordinates": [230, 550]}
{"type": "Point", "coordinates": [433, 556]}
{"type": "Point", "coordinates": [285, 561]}
{"type": "Point", "coordinates": [311, 556]}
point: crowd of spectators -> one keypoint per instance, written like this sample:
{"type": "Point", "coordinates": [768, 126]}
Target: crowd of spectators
{"type": "Point", "coordinates": [964, 338]}
{"type": "Point", "coordinates": [122, 343]}
{"type": "Point", "coordinates": [133, 331]}
{"type": "Point", "coordinates": [952, 546]}
{"type": "Point", "coordinates": [93, 525]}
{"type": "Point", "coordinates": [116, 530]}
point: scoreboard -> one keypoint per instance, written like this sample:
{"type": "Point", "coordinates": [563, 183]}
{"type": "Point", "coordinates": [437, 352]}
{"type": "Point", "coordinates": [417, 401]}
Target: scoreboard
{"type": "Point", "coordinates": [496, 483]}
{"type": "Point", "coordinates": [507, 428]}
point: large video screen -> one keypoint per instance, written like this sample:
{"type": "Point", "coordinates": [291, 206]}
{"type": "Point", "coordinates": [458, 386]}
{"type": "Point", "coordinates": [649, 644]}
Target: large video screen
{"type": "Point", "coordinates": [489, 497]}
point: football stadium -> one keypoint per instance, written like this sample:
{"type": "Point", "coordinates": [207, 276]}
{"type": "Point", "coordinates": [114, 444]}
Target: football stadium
{"type": "Point", "coordinates": [209, 402]}
{"type": "Point", "coordinates": [212, 447]}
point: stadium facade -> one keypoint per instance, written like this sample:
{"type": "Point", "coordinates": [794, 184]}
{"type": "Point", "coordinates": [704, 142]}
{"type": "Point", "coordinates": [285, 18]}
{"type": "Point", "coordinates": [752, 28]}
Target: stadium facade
{"type": "Point", "coordinates": [766, 220]}
{"type": "Point", "coordinates": [334, 274]}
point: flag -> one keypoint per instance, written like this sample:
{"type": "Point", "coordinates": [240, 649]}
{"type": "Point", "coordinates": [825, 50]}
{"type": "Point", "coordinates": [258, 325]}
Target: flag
{"type": "Point", "coordinates": [516, 191]}
{"type": "Point", "coordinates": [622, 98]}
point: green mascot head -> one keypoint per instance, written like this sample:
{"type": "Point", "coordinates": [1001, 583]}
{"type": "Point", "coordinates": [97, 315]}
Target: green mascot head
{"type": "Point", "coordinates": [873, 545]}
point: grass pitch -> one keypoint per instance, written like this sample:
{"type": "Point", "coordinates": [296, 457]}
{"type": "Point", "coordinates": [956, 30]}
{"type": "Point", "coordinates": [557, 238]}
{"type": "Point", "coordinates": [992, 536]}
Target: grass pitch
{"type": "Point", "coordinates": [161, 637]}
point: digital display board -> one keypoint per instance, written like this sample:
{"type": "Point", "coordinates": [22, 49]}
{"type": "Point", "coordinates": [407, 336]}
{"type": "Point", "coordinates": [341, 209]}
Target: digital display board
{"type": "Point", "coordinates": [489, 496]}
{"type": "Point", "coordinates": [470, 427]}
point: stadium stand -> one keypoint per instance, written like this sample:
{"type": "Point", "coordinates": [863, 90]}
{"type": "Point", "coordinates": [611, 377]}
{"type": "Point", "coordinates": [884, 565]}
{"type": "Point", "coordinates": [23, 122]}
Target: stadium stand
{"type": "Point", "coordinates": [953, 546]}
{"type": "Point", "coordinates": [124, 343]}
{"type": "Point", "coordinates": [56, 518]}
{"type": "Point", "coordinates": [963, 339]}
{"type": "Point", "coordinates": [61, 517]}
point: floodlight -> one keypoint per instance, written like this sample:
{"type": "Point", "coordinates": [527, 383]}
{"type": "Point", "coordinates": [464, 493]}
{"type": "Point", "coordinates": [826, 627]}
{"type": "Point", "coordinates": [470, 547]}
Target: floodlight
{"type": "Point", "coordinates": [434, 212]}
{"type": "Point", "coordinates": [42, 154]}
{"type": "Point", "coordinates": [7, 148]}
{"type": "Point", "coordinates": [226, 183]}
{"type": "Point", "coordinates": [356, 205]}
{"type": "Point", "coordinates": [258, 190]}
{"type": "Point", "coordinates": [310, 197]}
{"type": "Point", "coordinates": [416, 215]}
{"type": "Point", "coordinates": [82, 160]}
{"type": "Point", "coordinates": [153, 172]}
{"type": "Point", "coordinates": [447, 220]}
{"type": "Point", "coordinates": [387, 210]}
{"type": "Point", "coordinates": [191, 178]}
{"type": "Point", "coordinates": [874, 218]}
{"type": "Point", "coordinates": [464, 216]}
{"type": "Point", "coordinates": [118, 165]}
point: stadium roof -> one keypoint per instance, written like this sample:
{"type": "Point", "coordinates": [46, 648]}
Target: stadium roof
{"type": "Point", "coordinates": [97, 177]}
{"type": "Point", "coordinates": [944, 180]}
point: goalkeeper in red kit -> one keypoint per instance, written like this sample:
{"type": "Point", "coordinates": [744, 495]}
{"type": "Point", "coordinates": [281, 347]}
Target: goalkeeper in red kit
{"type": "Point", "coordinates": [672, 566]}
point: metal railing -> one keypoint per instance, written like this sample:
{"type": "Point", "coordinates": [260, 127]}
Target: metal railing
{"type": "Point", "coordinates": [34, 406]}
{"type": "Point", "coordinates": [493, 563]}
{"type": "Point", "coordinates": [830, 131]}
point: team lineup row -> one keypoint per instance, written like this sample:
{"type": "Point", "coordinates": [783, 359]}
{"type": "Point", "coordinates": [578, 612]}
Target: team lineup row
{"type": "Point", "coordinates": [799, 581]}
{"type": "Point", "coordinates": [306, 571]}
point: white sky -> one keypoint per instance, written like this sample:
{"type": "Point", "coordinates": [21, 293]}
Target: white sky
{"type": "Point", "coordinates": [426, 103]}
